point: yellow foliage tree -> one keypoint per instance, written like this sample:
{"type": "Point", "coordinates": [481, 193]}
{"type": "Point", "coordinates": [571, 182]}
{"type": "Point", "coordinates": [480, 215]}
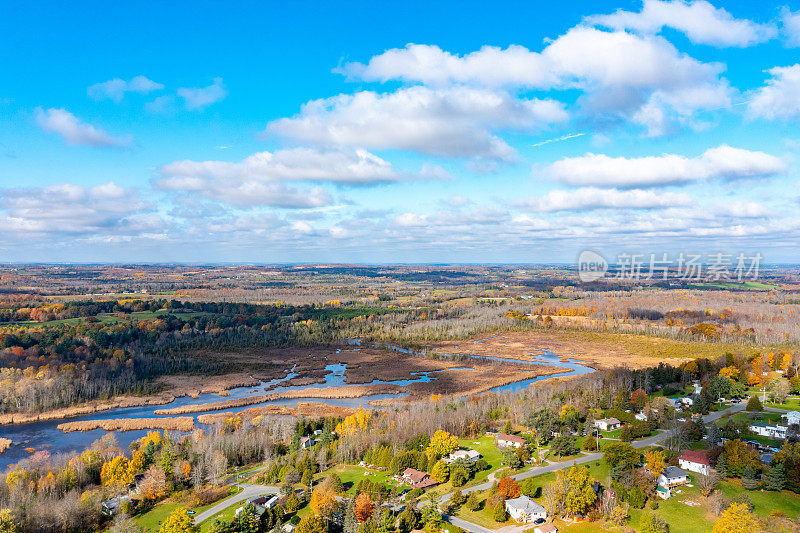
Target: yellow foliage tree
{"type": "Point", "coordinates": [115, 473]}
{"type": "Point", "coordinates": [442, 443]}
{"type": "Point", "coordinates": [323, 500]}
{"type": "Point", "coordinates": [655, 462]}
{"type": "Point", "coordinates": [736, 519]}
{"type": "Point", "coordinates": [355, 422]}
{"type": "Point", "coordinates": [179, 522]}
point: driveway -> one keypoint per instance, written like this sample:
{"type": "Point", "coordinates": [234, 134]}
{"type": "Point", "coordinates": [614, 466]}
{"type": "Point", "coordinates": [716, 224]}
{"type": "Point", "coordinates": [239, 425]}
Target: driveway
{"type": "Point", "coordinates": [248, 491]}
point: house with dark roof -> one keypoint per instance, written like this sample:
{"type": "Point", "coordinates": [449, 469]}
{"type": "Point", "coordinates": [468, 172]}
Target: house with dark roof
{"type": "Point", "coordinates": [672, 476]}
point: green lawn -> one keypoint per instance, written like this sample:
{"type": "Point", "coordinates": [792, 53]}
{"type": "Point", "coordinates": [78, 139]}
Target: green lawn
{"type": "Point", "coordinates": [151, 520]}
{"type": "Point", "coordinates": [765, 501]}
{"type": "Point", "coordinates": [791, 404]}
{"type": "Point", "coordinates": [483, 516]}
{"type": "Point", "coordinates": [352, 474]}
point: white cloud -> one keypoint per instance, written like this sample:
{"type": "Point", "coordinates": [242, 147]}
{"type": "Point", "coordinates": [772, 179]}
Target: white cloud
{"type": "Point", "coordinates": [643, 78]}
{"type": "Point", "coordinates": [352, 167]}
{"type": "Point", "coordinates": [457, 200]}
{"type": "Point", "coordinates": [73, 131]}
{"type": "Point", "coordinates": [74, 209]}
{"type": "Point", "coordinates": [303, 227]}
{"type": "Point", "coordinates": [455, 122]}
{"type": "Point", "coordinates": [743, 209]}
{"type": "Point", "coordinates": [201, 97]}
{"type": "Point", "coordinates": [722, 162]}
{"type": "Point", "coordinates": [594, 198]}
{"type": "Point", "coordinates": [115, 89]}
{"type": "Point", "coordinates": [699, 20]}
{"type": "Point", "coordinates": [779, 98]}
{"type": "Point", "coordinates": [790, 27]}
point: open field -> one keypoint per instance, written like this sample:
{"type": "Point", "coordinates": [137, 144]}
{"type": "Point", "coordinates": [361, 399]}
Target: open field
{"type": "Point", "coordinates": [181, 423]}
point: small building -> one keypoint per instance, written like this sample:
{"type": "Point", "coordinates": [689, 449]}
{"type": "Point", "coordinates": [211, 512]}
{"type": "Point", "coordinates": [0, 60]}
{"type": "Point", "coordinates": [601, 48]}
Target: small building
{"type": "Point", "coordinates": [547, 528]}
{"type": "Point", "coordinates": [307, 442]}
{"type": "Point", "coordinates": [663, 492]}
{"type": "Point", "coordinates": [768, 430]}
{"type": "Point", "coordinates": [288, 527]}
{"type": "Point", "coordinates": [506, 441]}
{"type": "Point", "coordinates": [672, 476]}
{"type": "Point", "coordinates": [688, 401]}
{"type": "Point", "coordinates": [418, 479]}
{"type": "Point", "coordinates": [114, 505]}
{"type": "Point", "coordinates": [641, 416]}
{"type": "Point", "coordinates": [694, 462]}
{"type": "Point", "coordinates": [317, 432]}
{"type": "Point", "coordinates": [607, 424]}
{"type": "Point", "coordinates": [466, 455]}
{"type": "Point", "coordinates": [525, 510]}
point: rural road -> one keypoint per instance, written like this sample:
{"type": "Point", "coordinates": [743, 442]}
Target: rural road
{"type": "Point", "coordinates": [248, 491]}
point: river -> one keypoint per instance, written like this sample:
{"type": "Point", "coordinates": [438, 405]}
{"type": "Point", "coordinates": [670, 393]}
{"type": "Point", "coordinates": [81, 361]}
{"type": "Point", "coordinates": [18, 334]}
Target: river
{"type": "Point", "coordinates": [46, 436]}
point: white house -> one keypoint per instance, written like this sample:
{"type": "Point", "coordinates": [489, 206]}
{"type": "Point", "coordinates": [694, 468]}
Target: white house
{"type": "Point", "coordinates": [505, 441]}
{"type": "Point", "coordinates": [767, 430]}
{"type": "Point", "coordinates": [792, 417]}
{"type": "Point", "coordinates": [467, 455]}
{"type": "Point", "coordinates": [641, 416]}
{"type": "Point", "coordinates": [607, 424]}
{"type": "Point", "coordinates": [525, 510]}
{"type": "Point", "coordinates": [694, 462]}
{"type": "Point", "coordinates": [688, 401]}
{"type": "Point", "coordinates": [671, 476]}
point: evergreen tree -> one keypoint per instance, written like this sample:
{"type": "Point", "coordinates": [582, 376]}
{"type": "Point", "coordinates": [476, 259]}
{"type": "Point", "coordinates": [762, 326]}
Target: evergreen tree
{"type": "Point", "coordinates": [775, 478]}
{"type": "Point", "coordinates": [714, 435]}
{"type": "Point", "coordinates": [749, 481]}
{"type": "Point", "coordinates": [722, 468]}
{"type": "Point", "coordinates": [349, 524]}
{"type": "Point", "coordinates": [472, 503]}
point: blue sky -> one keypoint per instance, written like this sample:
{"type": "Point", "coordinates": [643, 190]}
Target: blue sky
{"type": "Point", "coordinates": [413, 132]}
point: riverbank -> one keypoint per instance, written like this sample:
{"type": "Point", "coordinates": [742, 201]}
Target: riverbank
{"type": "Point", "coordinates": [304, 409]}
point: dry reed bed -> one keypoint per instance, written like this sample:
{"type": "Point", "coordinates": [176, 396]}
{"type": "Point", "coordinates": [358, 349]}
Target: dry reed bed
{"type": "Point", "coordinates": [181, 423]}
{"type": "Point", "coordinates": [305, 409]}
{"type": "Point", "coordinates": [4, 444]}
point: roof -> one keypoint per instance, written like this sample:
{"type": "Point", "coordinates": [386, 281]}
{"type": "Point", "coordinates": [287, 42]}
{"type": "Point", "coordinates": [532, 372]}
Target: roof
{"type": "Point", "coordinates": [425, 483]}
{"type": "Point", "coordinates": [659, 488]}
{"type": "Point", "coordinates": [510, 438]}
{"type": "Point", "coordinates": [671, 472]}
{"type": "Point", "coordinates": [525, 504]}
{"type": "Point", "coordinates": [792, 414]}
{"type": "Point", "coordinates": [611, 420]}
{"type": "Point", "coordinates": [414, 475]}
{"type": "Point", "coordinates": [694, 457]}
{"type": "Point", "coordinates": [470, 454]}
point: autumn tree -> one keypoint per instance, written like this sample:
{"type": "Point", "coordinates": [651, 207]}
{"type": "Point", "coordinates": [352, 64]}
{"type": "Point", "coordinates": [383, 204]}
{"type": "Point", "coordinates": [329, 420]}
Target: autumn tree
{"type": "Point", "coordinates": [442, 443]}
{"type": "Point", "coordinates": [736, 519]}
{"type": "Point", "coordinates": [580, 495]}
{"type": "Point", "coordinates": [440, 471]}
{"type": "Point", "coordinates": [323, 500]}
{"type": "Point", "coordinates": [311, 524]}
{"type": "Point", "coordinates": [179, 522]}
{"type": "Point", "coordinates": [115, 473]}
{"type": "Point", "coordinates": [508, 488]}
{"type": "Point", "coordinates": [154, 484]}
{"type": "Point", "coordinates": [655, 462]}
{"type": "Point", "coordinates": [364, 507]}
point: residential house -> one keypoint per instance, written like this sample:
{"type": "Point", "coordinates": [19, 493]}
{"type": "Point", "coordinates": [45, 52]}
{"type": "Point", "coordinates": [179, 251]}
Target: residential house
{"type": "Point", "coordinates": [768, 430]}
{"type": "Point", "coordinates": [113, 506]}
{"type": "Point", "coordinates": [260, 504]}
{"type": "Point", "coordinates": [694, 462]}
{"type": "Point", "coordinates": [525, 510]}
{"type": "Point", "coordinates": [418, 479]}
{"type": "Point", "coordinates": [467, 455]}
{"type": "Point", "coordinates": [641, 416]}
{"type": "Point", "coordinates": [672, 476]}
{"type": "Point", "coordinates": [306, 442]}
{"type": "Point", "coordinates": [547, 528]}
{"type": "Point", "coordinates": [607, 424]}
{"type": "Point", "coordinates": [505, 441]}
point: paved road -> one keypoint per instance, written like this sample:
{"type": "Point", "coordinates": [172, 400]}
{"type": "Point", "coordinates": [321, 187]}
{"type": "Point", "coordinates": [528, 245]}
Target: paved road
{"type": "Point", "coordinates": [248, 491]}
{"type": "Point", "coordinates": [539, 470]}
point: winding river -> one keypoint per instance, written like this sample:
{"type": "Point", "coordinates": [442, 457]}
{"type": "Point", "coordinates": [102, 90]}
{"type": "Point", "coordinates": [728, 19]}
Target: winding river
{"type": "Point", "coordinates": [46, 436]}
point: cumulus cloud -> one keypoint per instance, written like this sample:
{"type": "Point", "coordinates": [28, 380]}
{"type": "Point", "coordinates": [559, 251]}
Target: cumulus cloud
{"type": "Point", "coordinates": [77, 210]}
{"type": "Point", "coordinates": [202, 97]}
{"type": "Point", "coordinates": [480, 216]}
{"type": "Point", "coordinates": [643, 78]}
{"type": "Point", "coordinates": [594, 198]}
{"type": "Point", "coordinates": [699, 20]}
{"type": "Point", "coordinates": [454, 122]}
{"type": "Point", "coordinates": [117, 88]}
{"type": "Point", "coordinates": [779, 98]}
{"type": "Point", "coordinates": [722, 162]}
{"type": "Point", "coordinates": [790, 29]}
{"type": "Point", "coordinates": [261, 178]}
{"type": "Point", "coordinates": [73, 131]}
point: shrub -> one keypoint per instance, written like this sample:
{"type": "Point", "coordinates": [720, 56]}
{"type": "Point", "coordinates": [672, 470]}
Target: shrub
{"type": "Point", "coordinates": [754, 404]}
